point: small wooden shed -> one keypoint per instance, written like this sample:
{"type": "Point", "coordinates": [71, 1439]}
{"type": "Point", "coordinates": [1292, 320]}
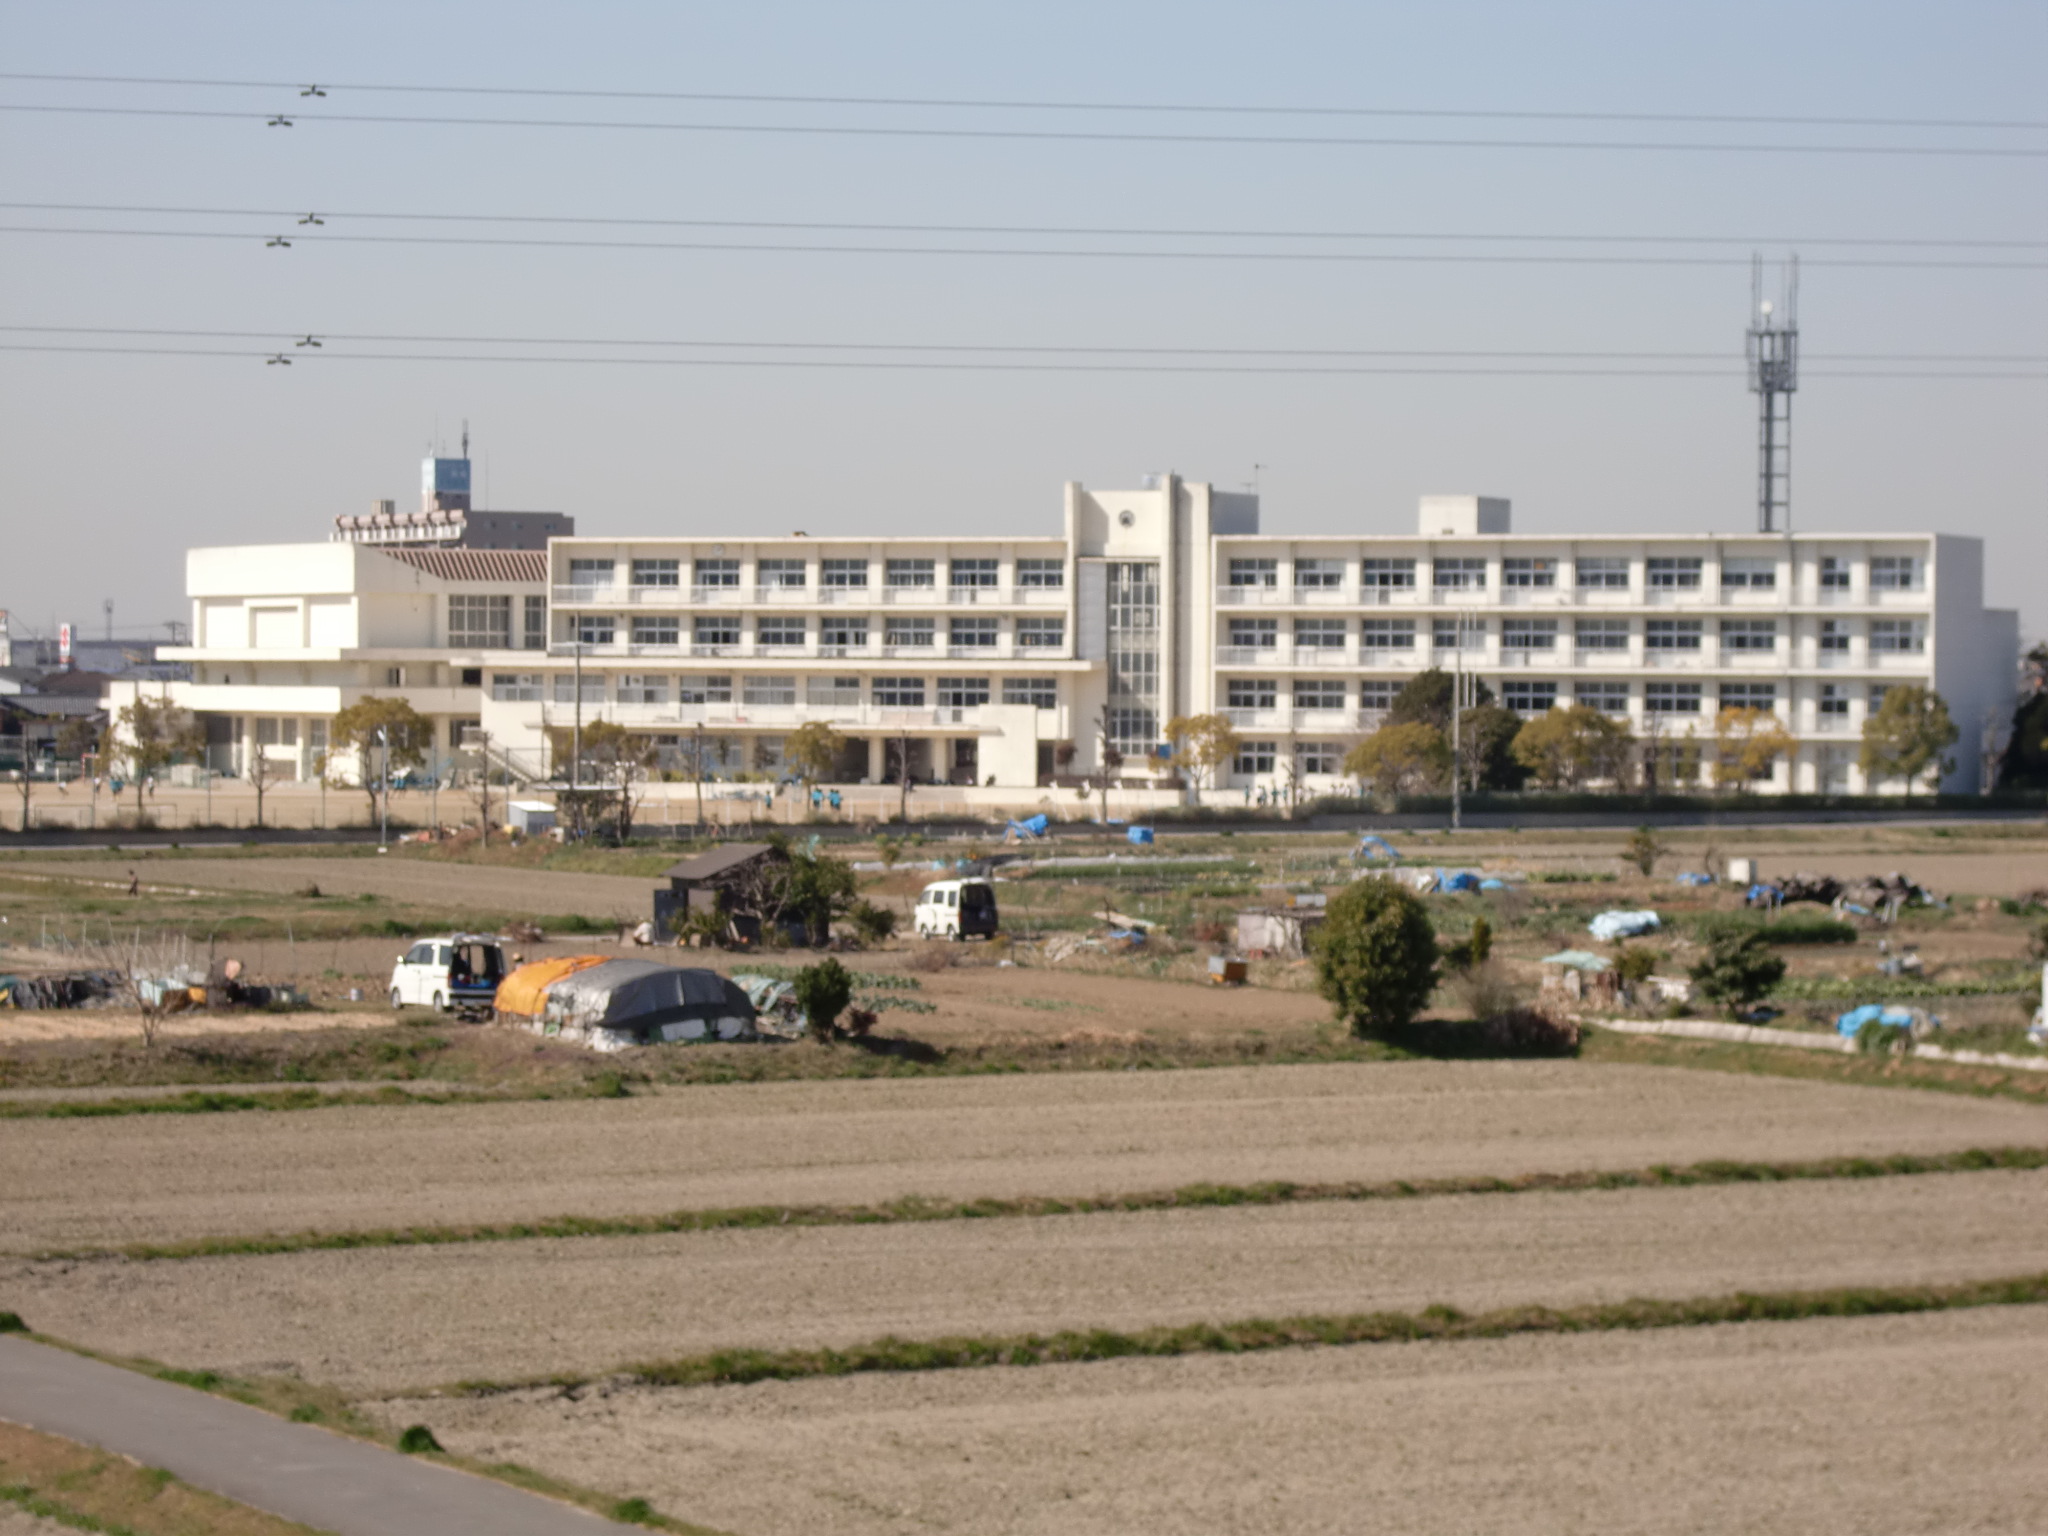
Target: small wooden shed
{"type": "Point", "coordinates": [702, 883]}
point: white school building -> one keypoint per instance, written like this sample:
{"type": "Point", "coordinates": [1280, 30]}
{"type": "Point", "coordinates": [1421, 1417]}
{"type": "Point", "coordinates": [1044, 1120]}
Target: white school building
{"type": "Point", "coordinates": [990, 659]}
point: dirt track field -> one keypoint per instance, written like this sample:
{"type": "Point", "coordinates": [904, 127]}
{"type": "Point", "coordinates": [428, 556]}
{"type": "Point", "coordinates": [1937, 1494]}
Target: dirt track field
{"type": "Point", "coordinates": [1878, 1426]}
{"type": "Point", "coordinates": [156, 1178]}
{"type": "Point", "coordinates": [391, 1319]}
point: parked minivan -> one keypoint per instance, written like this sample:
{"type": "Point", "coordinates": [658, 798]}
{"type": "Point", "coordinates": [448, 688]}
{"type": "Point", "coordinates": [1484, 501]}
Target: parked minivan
{"type": "Point", "coordinates": [459, 970]}
{"type": "Point", "coordinates": [956, 909]}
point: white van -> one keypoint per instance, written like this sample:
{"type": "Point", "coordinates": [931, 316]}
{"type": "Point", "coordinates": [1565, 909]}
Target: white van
{"type": "Point", "coordinates": [459, 970]}
{"type": "Point", "coordinates": [956, 909]}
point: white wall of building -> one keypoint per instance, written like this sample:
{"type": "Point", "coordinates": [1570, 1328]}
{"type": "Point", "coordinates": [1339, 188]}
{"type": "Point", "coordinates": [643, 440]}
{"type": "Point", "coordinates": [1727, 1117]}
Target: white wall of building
{"type": "Point", "coordinates": [1300, 640]}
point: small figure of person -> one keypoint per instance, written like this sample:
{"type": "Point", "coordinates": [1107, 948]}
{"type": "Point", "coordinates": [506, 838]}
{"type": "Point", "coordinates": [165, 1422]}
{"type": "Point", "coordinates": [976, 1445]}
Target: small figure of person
{"type": "Point", "coordinates": [835, 801]}
{"type": "Point", "coordinates": [134, 883]}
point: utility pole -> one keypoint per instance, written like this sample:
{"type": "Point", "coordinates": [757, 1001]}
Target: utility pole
{"type": "Point", "coordinates": [1457, 727]}
{"type": "Point", "coordinates": [483, 741]}
{"type": "Point", "coordinates": [903, 778]}
{"type": "Point", "coordinates": [384, 799]}
{"type": "Point", "coordinates": [697, 769]}
{"type": "Point", "coordinates": [576, 733]}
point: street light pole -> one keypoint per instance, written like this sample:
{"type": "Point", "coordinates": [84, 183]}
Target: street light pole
{"type": "Point", "coordinates": [384, 799]}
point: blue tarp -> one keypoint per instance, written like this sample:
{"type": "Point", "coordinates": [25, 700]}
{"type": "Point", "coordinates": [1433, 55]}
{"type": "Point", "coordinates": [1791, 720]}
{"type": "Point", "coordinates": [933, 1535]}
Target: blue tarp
{"type": "Point", "coordinates": [1609, 926]}
{"type": "Point", "coordinates": [1457, 880]}
{"type": "Point", "coordinates": [1373, 846]}
{"type": "Point", "coordinates": [1493, 883]}
{"type": "Point", "coordinates": [1140, 837]}
{"type": "Point", "coordinates": [1031, 826]}
{"type": "Point", "coordinates": [1694, 877]}
{"type": "Point", "coordinates": [1891, 1015]}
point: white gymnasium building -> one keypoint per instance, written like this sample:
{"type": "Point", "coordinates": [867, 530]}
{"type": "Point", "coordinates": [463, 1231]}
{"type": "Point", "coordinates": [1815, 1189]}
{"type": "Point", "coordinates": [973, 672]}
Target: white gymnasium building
{"type": "Point", "coordinates": [981, 656]}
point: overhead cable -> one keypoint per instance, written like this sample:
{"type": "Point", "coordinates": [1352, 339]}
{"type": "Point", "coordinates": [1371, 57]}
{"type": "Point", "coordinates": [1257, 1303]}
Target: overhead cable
{"type": "Point", "coordinates": [1010, 104]}
{"type": "Point", "coordinates": [303, 240]}
{"type": "Point", "coordinates": [1057, 135]}
{"type": "Point", "coordinates": [320, 216]}
{"type": "Point", "coordinates": [955, 366]}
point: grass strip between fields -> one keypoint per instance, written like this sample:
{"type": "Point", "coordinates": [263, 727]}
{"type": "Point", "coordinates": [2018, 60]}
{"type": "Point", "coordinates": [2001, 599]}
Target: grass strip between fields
{"type": "Point", "coordinates": [916, 1208]}
{"type": "Point", "coordinates": [737, 1367]}
{"type": "Point", "coordinates": [214, 1101]}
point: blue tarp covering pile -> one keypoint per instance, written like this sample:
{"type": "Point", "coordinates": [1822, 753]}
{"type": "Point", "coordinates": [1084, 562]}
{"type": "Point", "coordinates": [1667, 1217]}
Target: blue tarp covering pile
{"type": "Point", "coordinates": [1891, 1015]}
{"type": "Point", "coordinates": [1031, 826]}
{"type": "Point", "coordinates": [1694, 877]}
{"type": "Point", "coordinates": [1140, 837]}
{"type": "Point", "coordinates": [1373, 846]}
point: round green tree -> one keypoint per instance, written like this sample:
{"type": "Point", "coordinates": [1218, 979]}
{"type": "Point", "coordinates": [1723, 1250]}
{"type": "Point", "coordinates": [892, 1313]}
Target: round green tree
{"type": "Point", "coordinates": [1376, 957]}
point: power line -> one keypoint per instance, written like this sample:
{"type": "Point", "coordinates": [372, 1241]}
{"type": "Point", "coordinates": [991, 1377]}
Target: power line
{"type": "Point", "coordinates": [1094, 231]}
{"type": "Point", "coordinates": [300, 337]}
{"type": "Point", "coordinates": [296, 237]}
{"type": "Point", "coordinates": [1051, 135]}
{"type": "Point", "coordinates": [305, 88]}
{"type": "Point", "coordinates": [891, 365]}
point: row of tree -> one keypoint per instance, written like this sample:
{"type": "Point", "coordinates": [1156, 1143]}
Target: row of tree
{"type": "Point", "coordinates": [1575, 746]}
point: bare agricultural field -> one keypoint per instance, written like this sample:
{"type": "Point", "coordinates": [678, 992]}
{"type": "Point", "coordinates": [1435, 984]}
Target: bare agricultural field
{"type": "Point", "coordinates": [1881, 1426]}
{"type": "Point", "coordinates": [385, 1320]}
{"type": "Point", "coordinates": [415, 881]}
{"type": "Point", "coordinates": [160, 1178]}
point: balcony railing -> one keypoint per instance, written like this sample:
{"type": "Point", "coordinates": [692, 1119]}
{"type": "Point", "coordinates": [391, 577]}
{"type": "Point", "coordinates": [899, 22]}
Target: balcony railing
{"type": "Point", "coordinates": [777, 594]}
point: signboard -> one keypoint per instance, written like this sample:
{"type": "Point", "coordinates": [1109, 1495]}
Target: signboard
{"type": "Point", "coordinates": [63, 645]}
{"type": "Point", "coordinates": [447, 477]}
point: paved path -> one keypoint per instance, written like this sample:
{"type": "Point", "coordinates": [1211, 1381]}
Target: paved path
{"type": "Point", "coordinates": [324, 1480]}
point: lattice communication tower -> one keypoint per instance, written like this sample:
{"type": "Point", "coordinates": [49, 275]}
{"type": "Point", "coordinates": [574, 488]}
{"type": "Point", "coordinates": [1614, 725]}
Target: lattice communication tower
{"type": "Point", "coordinates": [1773, 376]}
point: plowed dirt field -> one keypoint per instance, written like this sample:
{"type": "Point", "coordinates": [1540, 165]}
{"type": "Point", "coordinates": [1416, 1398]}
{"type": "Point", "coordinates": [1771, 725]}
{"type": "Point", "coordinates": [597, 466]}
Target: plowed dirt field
{"type": "Point", "coordinates": [1878, 1426]}
{"type": "Point", "coordinates": [390, 1319]}
{"type": "Point", "coordinates": [156, 1178]}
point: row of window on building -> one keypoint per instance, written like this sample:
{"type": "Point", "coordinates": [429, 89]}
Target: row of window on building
{"type": "Point", "coordinates": [1452, 633]}
{"type": "Point", "coordinates": [850, 632]}
{"type": "Point", "coordinates": [481, 621]}
{"type": "Point", "coordinates": [1534, 696]}
{"type": "Point", "coordinates": [978, 571]}
{"type": "Point", "coordinates": [1887, 573]}
{"type": "Point", "coordinates": [777, 689]}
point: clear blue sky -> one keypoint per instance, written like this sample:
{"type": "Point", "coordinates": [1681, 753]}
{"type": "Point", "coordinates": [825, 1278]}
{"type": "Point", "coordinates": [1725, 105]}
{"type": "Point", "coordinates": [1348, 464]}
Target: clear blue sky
{"type": "Point", "coordinates": [113, 464]}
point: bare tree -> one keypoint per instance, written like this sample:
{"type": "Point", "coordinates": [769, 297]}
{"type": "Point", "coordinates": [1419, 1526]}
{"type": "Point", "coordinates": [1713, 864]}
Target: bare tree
{"type": "Point", "coordinates": [264, 771]}
{"type": "Point", "coordinates": [147, 977]}
{"type": "Point", "coordinates": [1108, 759]}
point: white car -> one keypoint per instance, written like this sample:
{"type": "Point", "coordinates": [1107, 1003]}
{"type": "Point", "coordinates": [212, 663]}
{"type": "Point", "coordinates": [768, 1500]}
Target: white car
{"type": "Point", "coordinates": [956, 909]}
{"type": "Point", "coordinates": [458, 970]}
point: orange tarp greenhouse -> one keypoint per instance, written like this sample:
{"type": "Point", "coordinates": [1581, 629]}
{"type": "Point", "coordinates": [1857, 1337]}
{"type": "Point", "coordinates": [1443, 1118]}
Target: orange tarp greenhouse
{"type": "Point", "coordinates": [525, 991]}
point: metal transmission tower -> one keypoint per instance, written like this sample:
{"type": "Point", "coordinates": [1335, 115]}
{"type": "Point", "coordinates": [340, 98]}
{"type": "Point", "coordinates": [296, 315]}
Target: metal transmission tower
{"type": "Point", "coordinates": [1773, 376]}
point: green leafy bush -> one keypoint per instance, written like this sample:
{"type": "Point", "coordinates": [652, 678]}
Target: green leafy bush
{"type": "Point", "coordinates": [823, 991]}
{"type": "Point", "coordinates": [871, 922]}
{"type": "Point", "coordinates": [1797, 928]}
{"type": "Point", "coordinates": [1376, 957]}
{"type": "Point", "coordinates": [1635, 964]}
{"type": "Point", "coordinates": [1739, 970]}
{"type": "Point", "coordinates": [417, 1440]}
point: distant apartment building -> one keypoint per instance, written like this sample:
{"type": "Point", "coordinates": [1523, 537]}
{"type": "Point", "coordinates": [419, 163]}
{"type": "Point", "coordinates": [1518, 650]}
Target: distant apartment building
{"type": "Point", "coordinates": [998, 659]}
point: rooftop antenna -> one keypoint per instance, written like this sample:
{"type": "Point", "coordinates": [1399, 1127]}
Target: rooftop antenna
{"type": "Point", "coordinates": [1773, 351]}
